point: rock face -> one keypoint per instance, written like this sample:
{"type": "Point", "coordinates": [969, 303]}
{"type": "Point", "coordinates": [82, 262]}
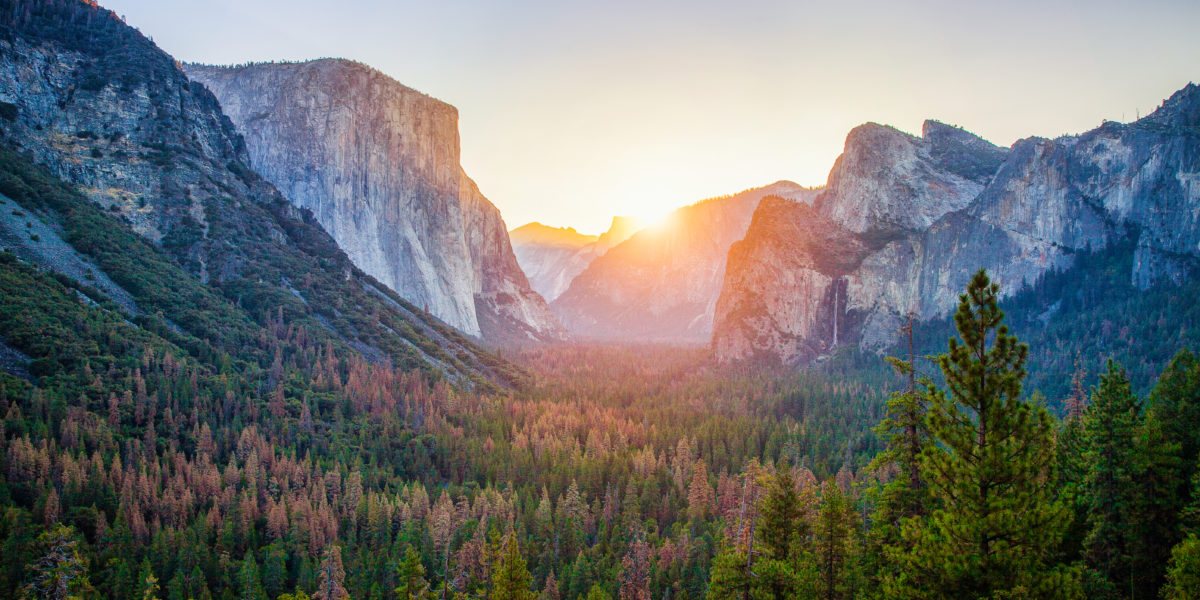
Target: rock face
{"type": "Point", "coordinates": [378, 165]}
{"type": "Point", "coordinates": [663, 283]}
{"type": "Point", "coordinates": [553, 256]}
{"type": "Point", "coordinates": [104, 109]}
{"type": "Point", "coordinates": [906, 221]}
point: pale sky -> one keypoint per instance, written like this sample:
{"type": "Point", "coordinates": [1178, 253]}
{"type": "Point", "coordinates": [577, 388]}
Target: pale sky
{"type": "Point", "coordinates": [572, 112]}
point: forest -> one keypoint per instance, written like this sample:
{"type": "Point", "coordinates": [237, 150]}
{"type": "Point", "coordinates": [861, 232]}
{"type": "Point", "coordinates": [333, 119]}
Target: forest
{"type": "Point", "coordinates": [139, 463]}
{"type": "Point", "coordinates": [300, 431]}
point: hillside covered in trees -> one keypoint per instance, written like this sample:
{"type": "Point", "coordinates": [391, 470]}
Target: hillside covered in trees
{"type": "Point", "coordinates": [135, 466]}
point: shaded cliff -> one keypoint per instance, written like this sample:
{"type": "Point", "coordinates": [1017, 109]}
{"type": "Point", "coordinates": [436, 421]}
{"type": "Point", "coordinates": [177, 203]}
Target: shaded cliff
{"type": "Point", "coordinates": [231, 262]}
{"type": "Point", "coordinates": [914, 218]}
{"type": "Point", "coordinates": [378, 165]}
{"type": "Point", "coordinates": [663, 283]}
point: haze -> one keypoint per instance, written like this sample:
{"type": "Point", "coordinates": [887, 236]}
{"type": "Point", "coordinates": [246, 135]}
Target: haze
{"type": "Point", "coordinates": [571, 112]}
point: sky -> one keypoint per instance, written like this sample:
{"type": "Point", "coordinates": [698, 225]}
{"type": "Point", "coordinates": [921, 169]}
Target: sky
{"type": "Point", "coordinates": [572, 112]}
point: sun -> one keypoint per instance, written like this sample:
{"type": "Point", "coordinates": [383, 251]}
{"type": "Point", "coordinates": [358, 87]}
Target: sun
{"type": "Point", "coordinates": [653, 217]}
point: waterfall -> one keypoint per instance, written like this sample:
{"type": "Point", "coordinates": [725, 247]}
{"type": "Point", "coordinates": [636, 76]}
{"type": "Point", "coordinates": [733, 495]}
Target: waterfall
{"type": "Point", "coordinates": [836, 289]}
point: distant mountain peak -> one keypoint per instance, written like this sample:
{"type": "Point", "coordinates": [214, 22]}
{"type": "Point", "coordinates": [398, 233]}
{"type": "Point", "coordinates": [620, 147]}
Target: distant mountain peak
{"type": "Point", "coordinates": [538, 233]}
{"type": "Point", "coordinates": [622, 228]}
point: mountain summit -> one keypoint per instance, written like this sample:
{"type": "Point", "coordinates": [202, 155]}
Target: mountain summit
{"type": "Point", "coordinates": [906, 221]}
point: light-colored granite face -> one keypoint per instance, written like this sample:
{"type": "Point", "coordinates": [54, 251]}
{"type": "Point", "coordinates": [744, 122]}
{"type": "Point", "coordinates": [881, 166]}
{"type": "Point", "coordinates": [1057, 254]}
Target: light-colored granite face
{"type": "Point", "coordinates": [145, 143]}
{"type": "Point", "coordinates": [905, 222]}
{"type": "Point", "coordinates": [378, 165]}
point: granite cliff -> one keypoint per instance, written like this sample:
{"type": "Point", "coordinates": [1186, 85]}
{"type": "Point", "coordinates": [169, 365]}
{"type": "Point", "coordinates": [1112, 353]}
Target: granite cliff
{"type": "Point", "coordinates": [91, 102]}
{"type": "Point", "coordinates": [662, 283]}
{"type": "Point", "coordinates": [904, 222]}
{"type": "Point", "coordinates": [378, 165]}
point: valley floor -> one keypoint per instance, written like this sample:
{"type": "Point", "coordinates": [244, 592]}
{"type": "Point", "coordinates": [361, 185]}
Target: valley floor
{"type": "Point", "coordinates": [623, 472]}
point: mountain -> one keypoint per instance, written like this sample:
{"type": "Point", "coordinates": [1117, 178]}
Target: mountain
{"type": "Point", "coordinates": [143, 194]}
{"type": "Point", "coordinates": [536, 233]}
{"type": "Point", "coordinates": [904, 222]}
{"type": "Point", "coordinates": [378, 165]}
{"type": "Point", "coordinates": [663, 282]}
{"type": "Point", "coordinates": [553, 256]}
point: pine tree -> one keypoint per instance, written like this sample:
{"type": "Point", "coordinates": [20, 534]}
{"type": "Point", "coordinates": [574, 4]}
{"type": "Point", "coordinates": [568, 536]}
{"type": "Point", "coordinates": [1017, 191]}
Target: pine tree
{"type": "Point", "coordinates": [274, 571]}
{"type": "Point", "coordinates": [1165, 462]}
{"type": "Point", "coordinates": [635, 573]}
{"type": "Point", "coordinates": [550, 591]}
{"type": "Point", "coordinates": [1191, 513]}
{"type": "Point", "coordinates": [1154, 516]}
{"type": "Point", "coordinates": [1183, 573]}
{"type": "Point", "coordinates": [782, 521]}
{"type": "Point", "coordinates": [331, 576]}
{"type": "Point", "coordinates": [1110, 424]}
{"type": "Point", "coordinates": [249, 582]}
{"type": "Point", "coordinates": [60, 572]}
{"type": "Point", "coordinates": [899, 491]}
{"type": "Point", "coordinates": [597, 593]}
{"type": "Point", "coordinates": [1072, 471]}
{"type": "Point", "coordinates": [699, 494]}
{"type": "Point", "coordinates": [905, 433]}
{"type": "Point", "coordinates": [148, 585]}
{"type": "Point", "coordinates": [510, 578]}
{"type": "Point", "coordinates": [997, 521]}
{"type": "Point", "coordinates": [833, 541]}
{"type": "Point", "coordinates": [411, 575]}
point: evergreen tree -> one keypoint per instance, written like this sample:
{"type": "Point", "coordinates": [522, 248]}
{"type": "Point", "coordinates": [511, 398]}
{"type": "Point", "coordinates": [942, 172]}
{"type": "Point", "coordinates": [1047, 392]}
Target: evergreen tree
{"type": "Point", "coordinates": [1110, 424]}
{"type": "Point", "coordinates": [1183, 572]}
{"type": "Point", "coordinates": [60, 572]}
{"type": "Point", "coordinates": [331, 576]}
{"type": "Point", "coordinates": [998, 520]}
{"type": "Point", "coordinates": [899, 491]}
{"type": "Point", "coordinates": [597, 593]}
{"type": "Point", "coordinates": [274, 571]}
{"type": "Point", "coordinates": [833, 542]}
{"type": "Point", "coordinates": [1175, 402]}
{"type": "Point", "coordinates": [1191, 513]}
{"type": "Point", "coordinates": [728, 578]}
{"type": "Point", "coordinates": [1072, 470]}
{"type": "Point", "coordinates": [249, 581]}
{"type": "Point", "coordinates": [635, 573]}
{"type": "Point", "coordinates": [905, 433]}
{"type": "Point", "coordinates": [411, 575]}
{"type": "Point", "coordinates": [1154, 516]}
{"type": "Point", "coordinates": [510, 578]}
{"type": "Point", "coordinates": [149, 583]}
{"type": "Point", "coordinates": [782, 522]}
{"type": "Point", "coordinates": [1165, 463]}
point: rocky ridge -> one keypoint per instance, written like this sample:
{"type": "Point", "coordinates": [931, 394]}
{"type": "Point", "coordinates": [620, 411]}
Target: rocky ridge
{"type": "Point", "coordinates": [100, 107]}
{"type": "Point", "coordinates": [906, 221]}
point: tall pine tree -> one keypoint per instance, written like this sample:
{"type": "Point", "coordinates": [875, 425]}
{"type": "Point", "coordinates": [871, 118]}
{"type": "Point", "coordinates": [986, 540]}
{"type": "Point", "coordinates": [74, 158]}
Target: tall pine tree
{"type": "Point", "coordinates": [510, 578]}
{"type": "Point", "coordinates": [1110, 423]}
{"type": "Point", "coordinates": [1165, 462]}
{"type": "Point", "coordinates": [990, 467]}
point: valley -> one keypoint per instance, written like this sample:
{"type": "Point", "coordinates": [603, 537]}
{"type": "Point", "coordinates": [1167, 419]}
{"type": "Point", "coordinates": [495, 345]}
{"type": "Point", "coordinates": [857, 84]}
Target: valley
{"type": "Point", "coordinates": [263, 338]}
